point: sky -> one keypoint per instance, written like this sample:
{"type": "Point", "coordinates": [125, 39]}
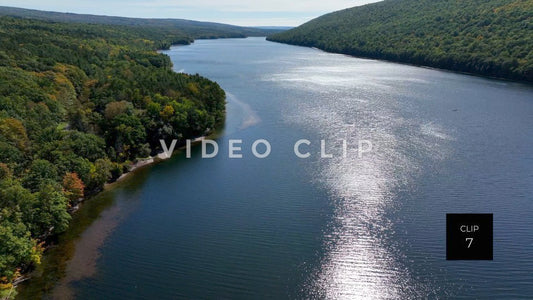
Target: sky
{"type": "Point", "coordinates": [237, 12]}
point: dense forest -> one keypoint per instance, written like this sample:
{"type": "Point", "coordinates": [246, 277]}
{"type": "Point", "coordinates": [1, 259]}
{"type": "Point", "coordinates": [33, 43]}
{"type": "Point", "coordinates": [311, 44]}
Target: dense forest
{"type": "Point", "coordinates": [78, 104]}
{"type": "Point", "coordinates": [486, 37]}
{"type": "Point", "coordinates": [193, 29]}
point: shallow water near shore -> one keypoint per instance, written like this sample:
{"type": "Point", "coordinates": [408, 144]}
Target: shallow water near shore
{"type": "Point", "coordinates": [335, 228]}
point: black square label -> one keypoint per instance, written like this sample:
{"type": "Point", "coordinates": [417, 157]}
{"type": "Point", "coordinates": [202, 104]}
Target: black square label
{"type": "Point", "coordinates": [469, 236]}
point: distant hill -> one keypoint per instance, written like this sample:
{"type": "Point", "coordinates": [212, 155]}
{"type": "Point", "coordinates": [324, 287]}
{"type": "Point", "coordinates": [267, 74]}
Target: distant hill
{"type": "Point", "coordinates": [196, 29]}
{"type": "Point", "coordinates": [486, 37]}
{"type": "Point", "coordinates": [276, 28]}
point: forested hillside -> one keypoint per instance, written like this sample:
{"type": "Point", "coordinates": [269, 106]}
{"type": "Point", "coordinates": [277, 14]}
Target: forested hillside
{"type": "Point", "coordinates": [192, 29]}
{"type": "Point", "coordinates": [487, 37]}
{"type": "Point", "coordinates": [78, 103]}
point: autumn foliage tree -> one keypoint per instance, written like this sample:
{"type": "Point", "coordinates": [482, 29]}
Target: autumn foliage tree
{"type": "Point", "coordinates": [73, 186]}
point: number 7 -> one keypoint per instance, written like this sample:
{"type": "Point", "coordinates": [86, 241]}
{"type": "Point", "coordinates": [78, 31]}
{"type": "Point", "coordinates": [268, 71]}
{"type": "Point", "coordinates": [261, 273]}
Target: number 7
{"type": "Point", "coordinates": [469, 240]}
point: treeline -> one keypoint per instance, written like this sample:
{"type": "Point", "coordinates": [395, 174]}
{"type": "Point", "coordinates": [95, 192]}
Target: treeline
{"type": "Point", "coordinates": [486, 37]}
{"type": "Point", "coordinates": [193, 29]}
{"type": "Point", "coordinates": [78, 104]}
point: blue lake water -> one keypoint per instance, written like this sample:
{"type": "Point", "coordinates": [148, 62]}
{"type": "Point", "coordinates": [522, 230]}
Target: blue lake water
{"type": "Point", "coordinates": [335, 228]}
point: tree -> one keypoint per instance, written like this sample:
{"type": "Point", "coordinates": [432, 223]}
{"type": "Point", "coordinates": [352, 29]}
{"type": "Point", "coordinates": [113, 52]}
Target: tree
{"type": "Point", "coordinates": [167, 112]}
{"type": "Point", "coordinates": [16, 245]}
{"type": "Point", "coordinates": [14, 132]}
{"type": "Point", "coordinates": [51, 214]}
{"type": "Point", "coordinates": [100, 173]}
{"type": "Point", "coordinates": [114, 109]}
{"type": "Point", "coordinates": [40, 171]}
{"type": "Point", "coordinates": [86, 145]}
{"type": "Point", "coordinates": [73, 186]}
{"type": "Point", "coordinates": [127, 134]}
{"type": "Point", "coordinates": [11, 155]}
{"type": "Point", "coordinates": [5, 172]}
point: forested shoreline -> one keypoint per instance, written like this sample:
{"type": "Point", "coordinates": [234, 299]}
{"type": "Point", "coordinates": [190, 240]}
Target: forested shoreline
{"type": "Point", "coordinates": [188, 29]}
{"type": "Point", "coordinates": [491, 38]}
{"type": "Point", "coordinates": [78, 104]}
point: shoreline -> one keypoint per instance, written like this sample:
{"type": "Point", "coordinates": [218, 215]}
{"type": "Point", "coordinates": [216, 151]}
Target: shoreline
{"type": "Point", "coordinates": [51, 241]}
{"type": "Point", "coordinates": [423, 66]}
{"type": "Point", "coordinates": [140, 164]}
{"type": "Point", "coordinates": [151, 160]}
{"type": "Point", "coordinates": [26, 276]}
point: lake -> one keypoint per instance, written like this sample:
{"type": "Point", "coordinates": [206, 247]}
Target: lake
{"type": "Point", "coordinates": [353, 225]}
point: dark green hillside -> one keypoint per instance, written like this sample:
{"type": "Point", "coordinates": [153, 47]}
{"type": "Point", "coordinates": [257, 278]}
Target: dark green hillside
{"type": "Point", "coordinates": [78, 104]}
{"type": "Point", "coordinates": [193, 29]}
{"type": "Point", "coordinates": [486, 37]}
